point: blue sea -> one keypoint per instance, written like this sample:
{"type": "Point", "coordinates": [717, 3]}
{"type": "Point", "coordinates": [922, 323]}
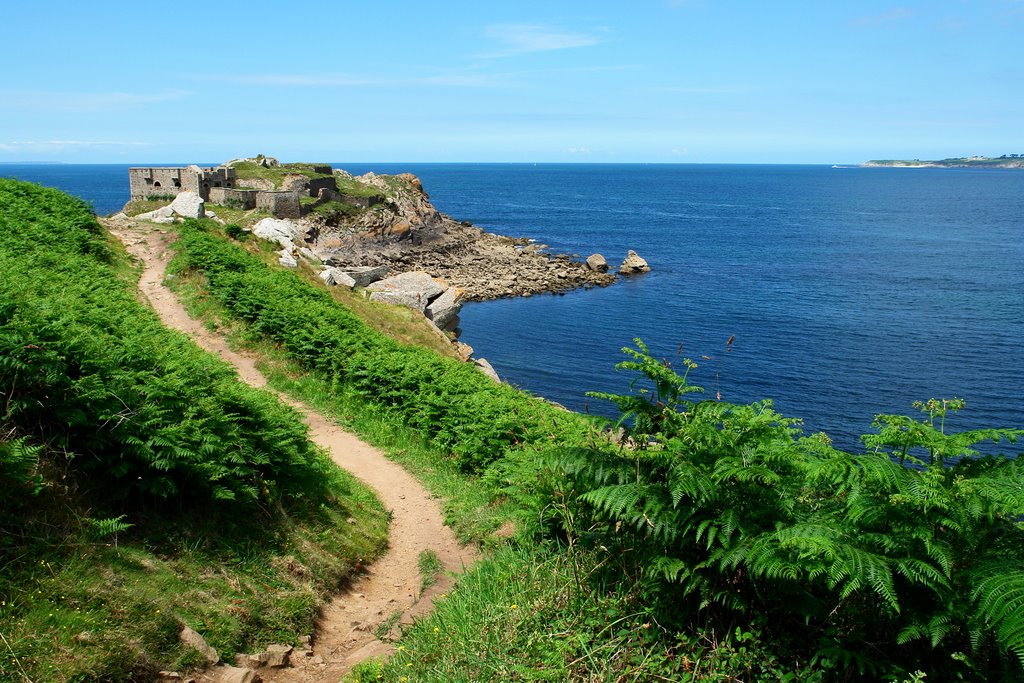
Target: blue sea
{"type": "Point", "coordinates": [848, 291]}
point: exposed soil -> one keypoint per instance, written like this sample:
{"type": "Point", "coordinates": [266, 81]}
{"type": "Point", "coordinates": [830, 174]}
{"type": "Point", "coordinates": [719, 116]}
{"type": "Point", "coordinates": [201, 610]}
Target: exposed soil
{"type": "Point", "coordinates": [345, 630]}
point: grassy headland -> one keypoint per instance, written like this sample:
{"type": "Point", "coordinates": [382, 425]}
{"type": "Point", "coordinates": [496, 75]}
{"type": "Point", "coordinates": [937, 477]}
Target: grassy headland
{"type": "Point", "coordinates": [1005, 161]}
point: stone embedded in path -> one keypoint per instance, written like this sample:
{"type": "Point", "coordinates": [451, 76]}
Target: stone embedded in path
{"type": "Point", "coordinates": [165, 214]}
{"type": "Point", "coordinates": [277, 655]}
{"type": "Point", "coordinates": [633, 264]}
{"type": "Point", "coordinates": [257, 661]}
{"type": "Point", "coordinates": [233, 674]}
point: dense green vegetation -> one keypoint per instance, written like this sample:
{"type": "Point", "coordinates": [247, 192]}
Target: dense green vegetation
{"type": "Point", "coordinates": [452, 406]}
{"type": "Point", "coordinates": [747, 549]}
{"type": "Point", "coordinates": [251, 170]}
{"type": "Point", "coordinates": [714, 542]}
{"type": "Point", "coordinates": [132, 464]}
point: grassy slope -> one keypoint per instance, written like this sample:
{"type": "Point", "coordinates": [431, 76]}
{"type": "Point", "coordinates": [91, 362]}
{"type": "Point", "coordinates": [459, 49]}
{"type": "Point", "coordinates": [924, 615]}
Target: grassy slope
{"type": "Point", "coordinates": [531, 612]}
{"type": "Point", "coordinates": [96, 586]}
{"type": "Point", "coordinates": [528, 612]}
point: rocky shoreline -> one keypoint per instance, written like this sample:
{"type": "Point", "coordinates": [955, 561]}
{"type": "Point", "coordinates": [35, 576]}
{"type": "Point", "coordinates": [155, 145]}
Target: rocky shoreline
{"type": "Point", "coordinates": [382, 234]}
{"type": "Point", "coordinates": [406, 233]}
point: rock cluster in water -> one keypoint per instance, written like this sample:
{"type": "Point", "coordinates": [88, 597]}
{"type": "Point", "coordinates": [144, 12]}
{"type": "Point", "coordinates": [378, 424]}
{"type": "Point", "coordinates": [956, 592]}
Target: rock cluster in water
{"type": "Point", "coordinates": [407, 233]}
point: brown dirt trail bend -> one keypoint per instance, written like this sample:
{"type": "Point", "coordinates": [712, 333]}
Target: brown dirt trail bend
{"type": "Point", "coordinates": [345, 630]}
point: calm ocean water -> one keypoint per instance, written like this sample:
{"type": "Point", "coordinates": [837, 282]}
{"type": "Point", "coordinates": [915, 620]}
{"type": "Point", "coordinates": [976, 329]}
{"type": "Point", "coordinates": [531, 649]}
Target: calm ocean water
{"type": "Point", "coordinates": [850, 291]}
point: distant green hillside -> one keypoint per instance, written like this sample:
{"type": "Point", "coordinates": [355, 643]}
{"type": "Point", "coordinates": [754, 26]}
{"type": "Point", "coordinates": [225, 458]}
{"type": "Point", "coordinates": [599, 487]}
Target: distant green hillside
{"type": "Point", "coordinates": [1005, 161]}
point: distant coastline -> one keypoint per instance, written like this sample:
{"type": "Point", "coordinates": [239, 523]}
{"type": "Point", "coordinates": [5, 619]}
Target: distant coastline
{"type": "Point", "coordinates": [1005, 161]}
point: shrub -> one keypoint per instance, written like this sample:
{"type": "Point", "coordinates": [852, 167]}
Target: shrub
{"type": "Point", "coordinates": [909, 556]}
{"type": "Point", "coordinates": [453, 406]}
{"type": "Point", "coordinates": [88, 371]}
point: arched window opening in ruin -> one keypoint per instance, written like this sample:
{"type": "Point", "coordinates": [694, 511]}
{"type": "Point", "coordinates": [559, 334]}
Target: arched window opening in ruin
{"type": "Point", "coordinates": [156, 184]}
{"type": "Point", "coordinates": [177, 183]}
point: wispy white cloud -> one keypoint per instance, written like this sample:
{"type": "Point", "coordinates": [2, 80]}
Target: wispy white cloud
{"type": "Point", "coordinates": [59, 145]}
{"type": "Point", "coordinates": [84, 101]}
{"type": "Point", "coordinates": [578, 150]}
{"type": "Point", "coordinates": [517, 39]}
{"type": "Point", "coordinates": [894, 15]}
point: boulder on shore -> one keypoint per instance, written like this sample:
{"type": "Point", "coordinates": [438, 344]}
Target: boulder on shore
{"type": "Point", "coordinates": [597, 263]}
{"type": "Point", "coordinates": [483, 366]}
{"type": "Point", "coordinates": [444, 310]}
{"type": "Point", "coordinates": [362, 276]}
{"type": "Point", "coordinates": [414, 289]}
{"type": "Point", "coordinates": [633, 264]}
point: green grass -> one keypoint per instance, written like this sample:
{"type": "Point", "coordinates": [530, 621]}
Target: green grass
{"type": "Point", "coordinates": [86, 608]}
{"type": "Point", "coordinates": [142, 488]}
{"type": "Point", "coordinates": [134, 208]}
{"type": "Point", "coordinates": [355, 188]}
{"type": "Point", "coordinates": [469, 506]}
{"type": "Point", "coordinates": [245, 218]}
{"type": "Point", "coordinates": [544, 614]}
{"type": "Point", "coordinates": [248, 170]}
{"type": "Point", "coordinates": [430, 568]}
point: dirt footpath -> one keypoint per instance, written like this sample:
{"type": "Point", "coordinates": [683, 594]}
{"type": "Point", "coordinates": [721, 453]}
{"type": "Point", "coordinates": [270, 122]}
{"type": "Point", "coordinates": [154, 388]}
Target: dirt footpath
{"type": "Point", "coordinates": [345, 630]}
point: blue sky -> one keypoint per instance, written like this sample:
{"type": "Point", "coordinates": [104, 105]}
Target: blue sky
{"type": "Point", "coordinates": [688, 81]}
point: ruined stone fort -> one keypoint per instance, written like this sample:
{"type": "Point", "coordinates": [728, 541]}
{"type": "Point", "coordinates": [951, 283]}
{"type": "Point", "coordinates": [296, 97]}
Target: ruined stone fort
{"type": "Point", "coordinates": [220, 185]}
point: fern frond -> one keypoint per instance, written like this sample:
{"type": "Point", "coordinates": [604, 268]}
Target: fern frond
{"type": "Point", "coordinates": [999, 600]}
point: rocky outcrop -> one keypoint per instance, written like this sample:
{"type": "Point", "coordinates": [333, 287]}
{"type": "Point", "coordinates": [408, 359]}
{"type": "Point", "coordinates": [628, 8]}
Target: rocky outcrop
{"type": "Point", "coordinates": [414, 289]}
{"type": "Point", "coordinates": [483, 265]}
{"type": "Point", "coordinates": [444, 310]}
{"type": "Point", "coordinates": [483, 366]}
{"type": "Point", "coordinates": [633, 264]}
{"type": "Point", "coordinates": [284, 231]}
{"type": "Point", "coordinates": [597, 263]}
{"type": "Point", "coordinates": [185, 205]}
{"type": "Point", "coordinates": [337, 277]}
{"type": "Point", "coordinates": [361, 275]}
{"type": "Point", "coordinates": [189, 205]}
{"type": "Point", "coordinates": [287, 259]}
{"type": "Point", "coordinates": [438, 301]}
